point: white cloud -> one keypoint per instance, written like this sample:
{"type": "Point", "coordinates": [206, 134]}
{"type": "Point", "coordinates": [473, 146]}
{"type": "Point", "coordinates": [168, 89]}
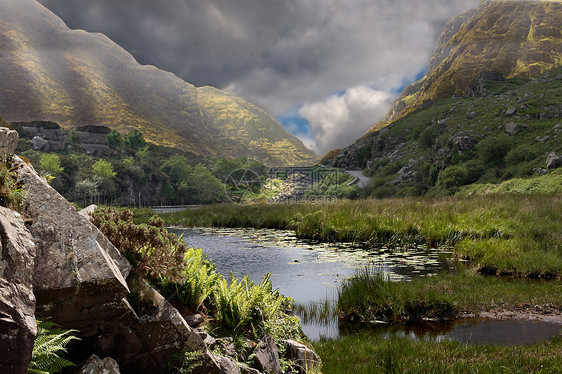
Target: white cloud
{"type": "Point", "coordinates": [340, 119]}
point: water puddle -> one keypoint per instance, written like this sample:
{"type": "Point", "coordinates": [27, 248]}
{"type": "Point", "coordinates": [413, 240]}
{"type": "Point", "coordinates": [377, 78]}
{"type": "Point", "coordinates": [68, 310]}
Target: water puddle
{"type": "Point", "coordinates": [474, 331]}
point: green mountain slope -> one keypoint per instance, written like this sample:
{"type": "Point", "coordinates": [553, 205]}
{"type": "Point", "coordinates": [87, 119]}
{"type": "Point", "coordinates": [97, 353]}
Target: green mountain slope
{"type": "Point", "coordinates": [508, 133]}
{"type": "Point", "coordinates": [519, 39]}
{"type": "Point", "coordinates": [75, 78]}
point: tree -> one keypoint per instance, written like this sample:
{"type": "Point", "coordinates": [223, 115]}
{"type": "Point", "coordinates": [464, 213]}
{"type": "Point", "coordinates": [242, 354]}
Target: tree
{"type": "Point", "coordinates": [134, 139]}
{"type": "Point", "coordinates": [114, 140]}
{"type": "Point", "coordinates": [103, 169]}
{"type": "Point", "coordinates": [50, 164]}
{"type": "Point", "coordinates": [451, 178]}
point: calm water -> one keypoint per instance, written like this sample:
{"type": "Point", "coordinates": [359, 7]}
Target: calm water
{"type": "Point", "coordinates": [305, 271]}
{"type": "Point", "coordinates": [310, 272]}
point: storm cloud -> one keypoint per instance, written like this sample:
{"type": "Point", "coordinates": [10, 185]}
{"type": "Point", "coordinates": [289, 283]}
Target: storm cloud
{"type": "Point", "coordinates": [290, 56]}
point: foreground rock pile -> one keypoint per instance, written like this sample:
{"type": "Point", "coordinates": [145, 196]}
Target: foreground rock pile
{"type": "Point", "coordinates": [56, 265]}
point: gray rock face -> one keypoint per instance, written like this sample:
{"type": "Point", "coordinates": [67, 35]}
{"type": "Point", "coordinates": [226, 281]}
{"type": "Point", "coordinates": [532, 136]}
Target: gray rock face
{"type": "Point", "coordinates": [228, 365]}
{"type": "Point", "coordinates": [8, 141]}
{"type": "Point", "coordinates": [266, 356]}
{"type": "Point", "coordinates": [477, 86]}
{"type": "Point", "coordinates": [17, 302]}
{"type": "Point", "coordinates": [44, 135]}
{"type": "Point", "coordinates": [404, 174]}
{"type": "Point", "coordinates": [553, 161]}
{"type": "Point", "coordinates": [96, 365]}
{"type": "Point", "coordinates": [93, 140]}
{"type": "Point", "coordinates": [305, 358]}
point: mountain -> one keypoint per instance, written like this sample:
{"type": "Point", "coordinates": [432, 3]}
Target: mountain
{"type": "Point", "coordinates": [76, 78]}
{"type": "Point", "coordinates": [519, 39]}
{"type": "Point", "coordinates": [488, 110]}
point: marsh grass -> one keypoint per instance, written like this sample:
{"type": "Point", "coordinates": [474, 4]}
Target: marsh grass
{"type": "Point", "coordinates": [369, 296]}
{"type": "Point", "coordinates": [486, 229]}
{"type": "Point", "coordinates": [364, 353]}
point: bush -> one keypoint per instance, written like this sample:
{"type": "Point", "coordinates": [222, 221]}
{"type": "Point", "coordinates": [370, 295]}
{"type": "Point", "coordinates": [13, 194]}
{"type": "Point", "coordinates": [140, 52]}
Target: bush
{"type": "Point", "coordinates": [152, 250]}
{"type": "Point", "coordinates": [493, 149]}
{"type": "Point", "coordinates": [451, 179]}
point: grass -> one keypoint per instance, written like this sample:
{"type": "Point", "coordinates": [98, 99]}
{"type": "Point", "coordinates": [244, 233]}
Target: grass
{"type": "Point", "coordinates": [509, 234]}
{"type": "Point", "coordinates": [364, 353]}
{"type": "Point", "coordinates": [368, 296]}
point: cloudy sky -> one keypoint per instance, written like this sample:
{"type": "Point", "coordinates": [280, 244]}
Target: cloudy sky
{"type": "Point", "coordinates": [326, 69]}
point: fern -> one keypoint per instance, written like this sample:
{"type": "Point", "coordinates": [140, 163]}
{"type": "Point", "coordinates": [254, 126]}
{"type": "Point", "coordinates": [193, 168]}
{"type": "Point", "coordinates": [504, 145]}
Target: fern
{"type": "Point", "coordinates": [49, 343]}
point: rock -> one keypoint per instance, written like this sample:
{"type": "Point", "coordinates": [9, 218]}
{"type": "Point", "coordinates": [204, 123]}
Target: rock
{"type": "Point", "coordinates": [471, 115]}
{"type": "Point", "coordinates": [77, 267]}
{"type": "Point", "coordinates": [194, 320]}
{"type": "Point", "coordinates": [8, 141]}
{"type": "Point", "coordinates": [553, 161]}
{"type": "Point", "coordinates": [512, 128]}
{"type": "Point", "coordinates": [510, 111]}
{"type": "Point", "coordinates": [477, 86]}
{"type": "Point", "coordinates": [543, 116]}
{"type": "Point", "coordinates": [44, 135]}
{"type": "Point", "coordinates": [163, 333]}
{"type": "Point", "coordinates": [93, 140]}
{"type": "Point", "coordinates": [540, 171]}
{"type": "Point", "coordinates": [266, 356]}
{"type": "Point", "coordinates": [542, 139]}
{"type": "Point", "coordinates": [17, 302]}
{"type": "Point", "coordinates": [88, 211]}
{"type": "Point", "coordinates": [404, 174]}
{"type": "Point", "coordinates": [442, 122]}
{"type": "Point", "coordinates": [96, 365]}
{"type": "Point", "coordinates": [557, 128]}
{"type": "Point", "coordinates": [228, 365]}
{"type": "Point", "coordinates": [305, 358]}
{"type": "Point", "coordinates": [207, 339]}
{"type": "Point", "coordinates": [39, 144]}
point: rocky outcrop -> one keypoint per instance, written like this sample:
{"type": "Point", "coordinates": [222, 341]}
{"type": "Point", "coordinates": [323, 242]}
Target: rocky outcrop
{"type": "Point", "coordinates": [8, 141]}
{"type": "Point", "coordinates": [93, 140]}
{"type": "Point", "coordinates": [17, 302]}
{"type": "Point", "coordinates": [44, 136]}
{"type": "Point", "coordinates": [293, 188]}
{"type": "Point", "coordinates": [477, 87]}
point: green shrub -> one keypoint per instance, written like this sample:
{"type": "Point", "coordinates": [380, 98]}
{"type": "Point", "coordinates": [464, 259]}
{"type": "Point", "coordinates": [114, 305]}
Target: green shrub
{"type": "Point", "coordinates": [451, 179]}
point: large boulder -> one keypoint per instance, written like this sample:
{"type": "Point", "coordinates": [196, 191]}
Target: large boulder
{"type": "Point", "coordinates": [305, 358]}
{"type": "Point", "coordinates": [8, 141]}
{"type": "Point", "coordinates": [96, 365]}
{"type": "Point", "coordinates": [553, 161]}
{"type": "Point", "coordinates": [80, 283]}
{"type": "Point", "coordinates": [266, 356]}
{"type": "Point", "coordinates": [17, 302]}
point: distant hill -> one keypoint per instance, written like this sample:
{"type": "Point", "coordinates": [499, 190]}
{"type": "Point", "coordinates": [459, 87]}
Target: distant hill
{"type": "Point", "coordinates": [510, 131]}
{"type": "Point", "coordinates": [76, 78]}
{"type": "Point", "coordinates": [519, 39]}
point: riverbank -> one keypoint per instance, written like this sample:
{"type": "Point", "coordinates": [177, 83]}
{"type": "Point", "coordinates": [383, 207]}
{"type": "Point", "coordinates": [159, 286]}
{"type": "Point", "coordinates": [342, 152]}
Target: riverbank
{"type": "Point", "coordinates": [509, 235]}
